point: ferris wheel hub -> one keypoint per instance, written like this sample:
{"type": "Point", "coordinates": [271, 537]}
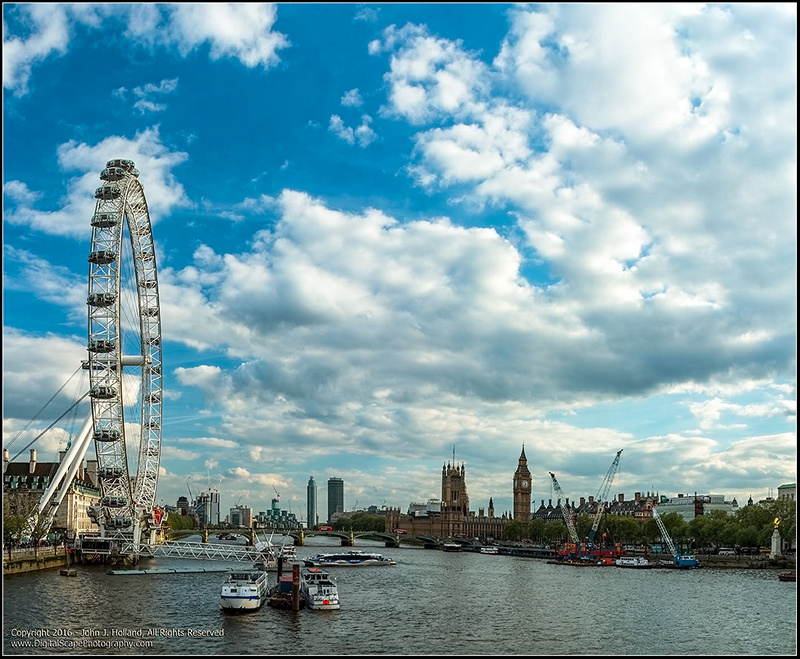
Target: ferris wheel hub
{"type": "Point", "coordinates": [132, 360]}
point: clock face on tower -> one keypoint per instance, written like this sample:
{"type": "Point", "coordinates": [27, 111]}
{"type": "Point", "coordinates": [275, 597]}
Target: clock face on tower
{"type": "Point", "coordinates": [524, 484]}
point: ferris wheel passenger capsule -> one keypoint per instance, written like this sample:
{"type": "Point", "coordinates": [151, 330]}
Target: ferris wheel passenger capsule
{"type": "Point", "coordinates": [101, 299]}
{"type": "Point", "coordinates": [120, 522]}
{"type": "Point", "coordinates": [102, 256]}
{"type": "Point", "coordinates": [103, 392]}
{"type": "Point", "coordinates": [105, 220]}
{"type": "Point", "coordinates": [114, 502]}
{"type": "Point", "coordinates": [112, 174]}
{"type": "Point", "coordinates": [108, 192]}
{"type": "Point", "coordinates": [107, 435]}
{"type": "Point", "coordinates": [102, 345]}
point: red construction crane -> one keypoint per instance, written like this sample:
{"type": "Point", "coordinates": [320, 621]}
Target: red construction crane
{"type": "Point", "coordinates": [566, 513]}
{"type": "Point", "coordinates": [602, 496]}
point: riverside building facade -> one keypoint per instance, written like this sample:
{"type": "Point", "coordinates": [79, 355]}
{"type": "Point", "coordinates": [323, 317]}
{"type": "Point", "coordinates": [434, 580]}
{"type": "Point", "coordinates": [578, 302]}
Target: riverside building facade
{"type": "Point", "coordinates": [29, 480]}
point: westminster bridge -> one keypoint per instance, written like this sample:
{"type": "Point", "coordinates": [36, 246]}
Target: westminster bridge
{"type": "Point", "coordinates": [348, 538]}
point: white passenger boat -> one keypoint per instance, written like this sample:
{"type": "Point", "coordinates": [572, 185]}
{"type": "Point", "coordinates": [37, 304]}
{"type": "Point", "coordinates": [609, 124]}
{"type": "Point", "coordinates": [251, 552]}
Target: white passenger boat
{"type": "Point", "coordinates": [318, 589]}
{"type": "Point", "coordinates": [633, 561]}
{"type": "Point", "coordinates": [348, 559]}
{"type": "Point", "coordinates": [287, 554]}
{"type": "Point", "coordinates": [245, 591]}
{"type": "Point", "coordinates": [271, 554]}
{"type": "Point", "coordinates": [489, 550]}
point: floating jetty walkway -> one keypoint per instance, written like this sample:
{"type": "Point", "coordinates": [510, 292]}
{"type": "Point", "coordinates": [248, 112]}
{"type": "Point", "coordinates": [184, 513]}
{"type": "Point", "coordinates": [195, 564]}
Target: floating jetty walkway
{"type": "Point", "coordinates": [167, 570]}
{"type": "Point", "coordinates": [198, 550]}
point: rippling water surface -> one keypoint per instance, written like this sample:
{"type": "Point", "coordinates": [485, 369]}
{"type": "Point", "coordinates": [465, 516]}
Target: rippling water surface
{"type": "Point", "coordinates": [431, 602]}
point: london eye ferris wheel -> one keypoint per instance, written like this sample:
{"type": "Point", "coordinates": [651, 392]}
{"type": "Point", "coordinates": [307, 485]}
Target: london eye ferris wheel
{"type": "Point", "coordinates": [124, 346]}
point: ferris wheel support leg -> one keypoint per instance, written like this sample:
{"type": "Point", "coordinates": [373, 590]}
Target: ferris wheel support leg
{"type": "Point", "coordinates": [137, 536]}
{"type": "Point", "coordinates": [153, 536]}
{"type": "Point", "coordinates": [55, 493]}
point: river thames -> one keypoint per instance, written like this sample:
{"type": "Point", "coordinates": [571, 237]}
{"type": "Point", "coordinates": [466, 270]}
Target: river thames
{"type": "Point", "coordinates": [431, 602]}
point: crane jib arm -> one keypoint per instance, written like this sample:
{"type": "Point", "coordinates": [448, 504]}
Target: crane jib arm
{"type": "Point", "coordinates": [565, 513]}
{"type": "Point", "coordinates": [602, 495]}
{"type": "Point", "coordinates": [664, 533]}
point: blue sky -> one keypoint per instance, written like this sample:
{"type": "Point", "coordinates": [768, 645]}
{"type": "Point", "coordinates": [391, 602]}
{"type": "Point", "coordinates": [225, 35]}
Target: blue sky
{"type": "Point", "coordinates": [388, 233]}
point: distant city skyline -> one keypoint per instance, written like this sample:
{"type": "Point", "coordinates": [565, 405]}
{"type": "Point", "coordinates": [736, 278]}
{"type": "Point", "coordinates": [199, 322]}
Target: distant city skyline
{"type": "Point", "coordinates": [207, 503]}
{"type": "Point", "coordinates": [211, 500]}
{"type": "Point", "coordinates": [537, 503]}
{"type": "Point", "coordinates": [211, 497]}
{"type": "Point", "coordinates": [336, 484]}
{"type": "Point", "coordinates": [571, 226]}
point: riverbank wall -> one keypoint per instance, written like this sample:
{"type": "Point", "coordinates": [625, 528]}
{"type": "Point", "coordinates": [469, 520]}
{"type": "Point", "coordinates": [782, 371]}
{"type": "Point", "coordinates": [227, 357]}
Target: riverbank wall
{"type": "Point", "coordinates": [22, 561]}
{"type": "Point", "coordinates": [746, 562]}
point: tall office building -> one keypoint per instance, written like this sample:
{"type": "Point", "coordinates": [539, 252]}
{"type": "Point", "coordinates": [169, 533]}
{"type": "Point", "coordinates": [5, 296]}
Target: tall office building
{"type": "Point", "coordinates": [213, 517]}
{"type": "Point", "coordinates": [183, 506]}
{"type": "Point", "coordinates": [311, 503]}
{"type": "Point", "coordinates": [241, 516]}
{"type": "Point", "coordinates": [335, 497]}
{"type": "Point", "coordinates": [207, 507]}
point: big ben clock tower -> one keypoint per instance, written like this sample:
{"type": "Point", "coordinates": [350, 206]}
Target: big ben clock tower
{"type": "Point", "coordinates": [522, 490]}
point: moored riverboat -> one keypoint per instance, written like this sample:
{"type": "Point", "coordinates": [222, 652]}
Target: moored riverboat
{"type": "Point", "coordinates": [682, 562]}
{"type": "Point", "coordinates": [638, 562]}
{"type": "Point", "coordinates": [277, 556]}
{"type": "Point", "coordinates": [286, 555]}
{"type": "Point", "coordinates": [318, 589]}
{"type": "Point", "coordinates": [584, 561]}
{"type": "Point", "coordinates": [348, 559]}
{"type": "Point", "coordinates": [788, 576]}
{"type": "Point", "coordinates": [244, 591]}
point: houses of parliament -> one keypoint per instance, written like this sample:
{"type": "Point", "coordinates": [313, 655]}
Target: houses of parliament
{"type": "Point", "coordinates": [451, 516]}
